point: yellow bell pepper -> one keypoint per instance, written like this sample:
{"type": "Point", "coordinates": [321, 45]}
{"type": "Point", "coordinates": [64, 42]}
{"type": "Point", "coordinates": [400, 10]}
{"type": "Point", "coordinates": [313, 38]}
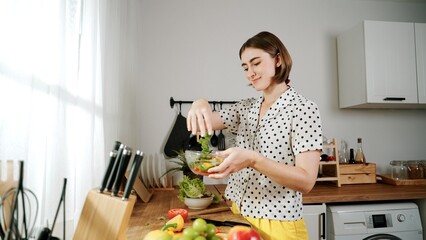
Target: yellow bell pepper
{"type": "Point", "coordinates": [175, 224]}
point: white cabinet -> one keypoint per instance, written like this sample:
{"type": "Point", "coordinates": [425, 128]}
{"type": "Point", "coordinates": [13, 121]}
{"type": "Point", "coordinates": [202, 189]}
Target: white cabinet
{"type": "Point", "coordinates": [377, 65]}
{"type": "Point", "coordinates": [420, 31]}
{"type": "Point", "coordinates": [314, 215]}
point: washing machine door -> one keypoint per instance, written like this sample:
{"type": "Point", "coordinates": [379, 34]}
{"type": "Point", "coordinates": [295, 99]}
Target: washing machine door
{"type": "Point", "coordinates": [382, 237]}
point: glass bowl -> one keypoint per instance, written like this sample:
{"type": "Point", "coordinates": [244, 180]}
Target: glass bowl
{"type": "Point", "coordinates": [200, 165]}
{"type": "Point", "coordinates": [198, 203]}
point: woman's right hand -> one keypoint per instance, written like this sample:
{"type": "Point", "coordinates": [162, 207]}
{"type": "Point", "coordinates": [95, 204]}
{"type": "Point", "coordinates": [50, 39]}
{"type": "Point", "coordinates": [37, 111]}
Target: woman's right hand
{"type": "Point", "coordinates": [200, 118]}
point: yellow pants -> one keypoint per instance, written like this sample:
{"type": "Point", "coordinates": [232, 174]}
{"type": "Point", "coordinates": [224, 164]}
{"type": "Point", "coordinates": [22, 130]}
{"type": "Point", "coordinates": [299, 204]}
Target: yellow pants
{"type": "Point", "coordinates": [277, 230]}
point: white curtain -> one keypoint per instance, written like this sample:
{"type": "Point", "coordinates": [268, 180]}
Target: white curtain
{"type": "Point", "coordinates": [53, 91]}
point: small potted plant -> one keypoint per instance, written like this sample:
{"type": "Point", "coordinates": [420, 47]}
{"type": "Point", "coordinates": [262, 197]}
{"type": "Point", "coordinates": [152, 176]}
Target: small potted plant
{"type": "Point", "coordinates": [185, 161]}
{"type": "Point", "coordinates": [182, 165]}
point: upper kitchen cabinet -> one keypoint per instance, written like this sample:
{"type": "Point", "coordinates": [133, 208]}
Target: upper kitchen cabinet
{"type": "Point", "coordinates": [382, 65]}
{"type": "Point", "coordinates": [420, 31]}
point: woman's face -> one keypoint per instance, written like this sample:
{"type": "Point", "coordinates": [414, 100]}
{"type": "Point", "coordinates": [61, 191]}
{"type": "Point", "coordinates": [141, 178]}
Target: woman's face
{"type": "Point", "coordinates": [259, 67]}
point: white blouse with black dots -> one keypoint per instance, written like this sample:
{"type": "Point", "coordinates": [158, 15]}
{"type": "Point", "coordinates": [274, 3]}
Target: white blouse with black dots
{"type": "Point", "coordinates": [291, 126]}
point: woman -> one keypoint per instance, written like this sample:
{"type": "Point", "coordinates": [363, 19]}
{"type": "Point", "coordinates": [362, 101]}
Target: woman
{"type": "Point", "coordinates": [278, 144]}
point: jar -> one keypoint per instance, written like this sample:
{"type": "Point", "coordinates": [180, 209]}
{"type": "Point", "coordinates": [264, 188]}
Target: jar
{"type": "Point", "coordinates": [423, 162]}
{"type": "Point", "coordinates": [399, 170]}
{"type": "Point", "coordinates": [415, 170]}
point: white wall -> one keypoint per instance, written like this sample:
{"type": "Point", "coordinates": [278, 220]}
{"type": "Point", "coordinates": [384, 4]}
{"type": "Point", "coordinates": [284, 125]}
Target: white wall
{"type": "Point", "coordinates": [189, 49]}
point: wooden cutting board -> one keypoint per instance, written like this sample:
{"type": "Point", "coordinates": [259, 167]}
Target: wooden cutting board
{"type": "Point", "coordinates": [153, 215]}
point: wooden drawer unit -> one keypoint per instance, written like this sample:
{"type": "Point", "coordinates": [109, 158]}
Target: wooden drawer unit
{"type": "Point", "coordinates": [355, 173]}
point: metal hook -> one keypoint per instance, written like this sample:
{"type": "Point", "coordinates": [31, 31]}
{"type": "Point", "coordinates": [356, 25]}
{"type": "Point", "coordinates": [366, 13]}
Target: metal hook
{"type": "Point", "coordinates": [172, 102]}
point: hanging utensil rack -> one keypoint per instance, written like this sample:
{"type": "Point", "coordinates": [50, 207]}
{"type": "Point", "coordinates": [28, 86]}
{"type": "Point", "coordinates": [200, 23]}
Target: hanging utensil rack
{"type": "Point", "coordinates": [173, 102]}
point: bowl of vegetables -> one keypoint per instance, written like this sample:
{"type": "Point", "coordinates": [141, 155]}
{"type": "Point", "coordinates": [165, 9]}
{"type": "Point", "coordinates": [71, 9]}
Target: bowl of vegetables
{"type": "Point", "coordinates": [201, 161]}
{"type": "Point", "coordinates": [198, 203]}
{"type": "Point", "coordinates": [194, 194]}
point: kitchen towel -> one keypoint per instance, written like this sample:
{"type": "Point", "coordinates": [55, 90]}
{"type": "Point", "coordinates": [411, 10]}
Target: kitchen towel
{"type": "Point", "coordinates": [178, 139]}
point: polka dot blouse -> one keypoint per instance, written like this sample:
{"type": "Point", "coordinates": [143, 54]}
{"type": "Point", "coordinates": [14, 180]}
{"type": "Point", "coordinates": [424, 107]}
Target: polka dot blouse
{"type": "Point", "coordinates": [291, 126]}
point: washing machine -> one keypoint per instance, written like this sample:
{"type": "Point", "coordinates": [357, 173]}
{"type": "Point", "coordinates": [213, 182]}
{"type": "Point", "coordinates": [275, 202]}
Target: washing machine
{"type": "Point", "coordinates": [377, 221]}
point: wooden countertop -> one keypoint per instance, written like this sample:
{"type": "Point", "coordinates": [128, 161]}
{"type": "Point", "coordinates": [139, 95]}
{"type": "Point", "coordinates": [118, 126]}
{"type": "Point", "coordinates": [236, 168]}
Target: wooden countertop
{"type": "Point", "coordinates": [328, 193]}
{"type": "Point", "coordinates": [152, 215]}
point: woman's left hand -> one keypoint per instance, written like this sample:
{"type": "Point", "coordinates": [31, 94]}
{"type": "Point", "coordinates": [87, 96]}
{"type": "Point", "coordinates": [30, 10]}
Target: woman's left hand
{"type": "Point", "coordinates": [235, 159]}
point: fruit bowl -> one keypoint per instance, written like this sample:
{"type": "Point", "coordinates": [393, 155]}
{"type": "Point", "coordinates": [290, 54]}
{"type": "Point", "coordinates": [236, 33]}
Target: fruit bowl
{"type": "Point", "coordinates": [198, 203]}
{"type": "Point", "coordinates": [200, 163]}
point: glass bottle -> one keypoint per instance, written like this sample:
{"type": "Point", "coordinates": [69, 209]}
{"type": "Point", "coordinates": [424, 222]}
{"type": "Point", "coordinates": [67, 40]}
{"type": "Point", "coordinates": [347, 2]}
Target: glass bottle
{"type": "Point", "coordinates": [343, 158]}
{"type": "Point", "coordinates": [351, 156]}
{"type": "Point", "coordinates": [359, 156]}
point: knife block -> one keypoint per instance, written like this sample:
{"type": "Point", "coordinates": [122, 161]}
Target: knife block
{"type": "Point", "coordinates": [104, 217]}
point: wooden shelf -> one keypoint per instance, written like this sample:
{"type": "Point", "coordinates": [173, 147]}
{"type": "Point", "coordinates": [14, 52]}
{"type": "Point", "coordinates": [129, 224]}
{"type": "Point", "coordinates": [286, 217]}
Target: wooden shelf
{"type": "Point", "coordinates": [333, 171]}
{"type": "Point", "coordinates": [323, 179]}
{"type": "Point", "coordinates": [328, 163]}
{"type": "Point", "coordinates": [6, 183]}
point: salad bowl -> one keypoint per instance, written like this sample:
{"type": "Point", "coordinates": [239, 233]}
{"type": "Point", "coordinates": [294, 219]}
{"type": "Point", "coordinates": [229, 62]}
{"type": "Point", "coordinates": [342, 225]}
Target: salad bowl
{"type": "Point", "coordinates": [200, 163]}
{"type": "Point", "coordinates": [198, 203]}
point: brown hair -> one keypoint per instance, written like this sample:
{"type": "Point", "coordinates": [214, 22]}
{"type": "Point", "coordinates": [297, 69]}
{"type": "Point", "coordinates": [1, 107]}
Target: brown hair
{"type": "Point", "coordinates": [271, 44]}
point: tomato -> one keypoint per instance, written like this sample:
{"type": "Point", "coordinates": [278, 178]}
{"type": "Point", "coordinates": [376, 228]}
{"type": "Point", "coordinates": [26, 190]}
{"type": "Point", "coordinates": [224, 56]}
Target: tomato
{"type": "Point", "coordinates": [178, 211]}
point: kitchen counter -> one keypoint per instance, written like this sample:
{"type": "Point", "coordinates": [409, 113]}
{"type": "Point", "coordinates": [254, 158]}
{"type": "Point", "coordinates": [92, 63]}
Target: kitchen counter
{"type": "Point", "coordinates": [328, 193]}
{"type": "Point", "coordinates": [152, 215]}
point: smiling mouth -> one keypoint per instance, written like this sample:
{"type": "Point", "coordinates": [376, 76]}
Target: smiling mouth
{"type": "Point", "coordinates": [254, 80]}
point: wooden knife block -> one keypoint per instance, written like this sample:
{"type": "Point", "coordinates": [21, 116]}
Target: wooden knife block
{"type": "Point", "coordinates": [104, 217]}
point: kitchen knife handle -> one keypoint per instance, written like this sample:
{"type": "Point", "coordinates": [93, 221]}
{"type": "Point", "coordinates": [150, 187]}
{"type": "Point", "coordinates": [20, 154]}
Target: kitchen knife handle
{"type": "Point", "coordinates": [133, 174]}
{"type": "Point", "coordinates": [127, 154]}
{"type": "Point", "coordinates": [112, 157]}
{"type": "Point", "coordinates": [117, 145]}
{"type": "Point", "coordinates": [114, 170]}
{"type": "Point", "coordinates": [224, 223]}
